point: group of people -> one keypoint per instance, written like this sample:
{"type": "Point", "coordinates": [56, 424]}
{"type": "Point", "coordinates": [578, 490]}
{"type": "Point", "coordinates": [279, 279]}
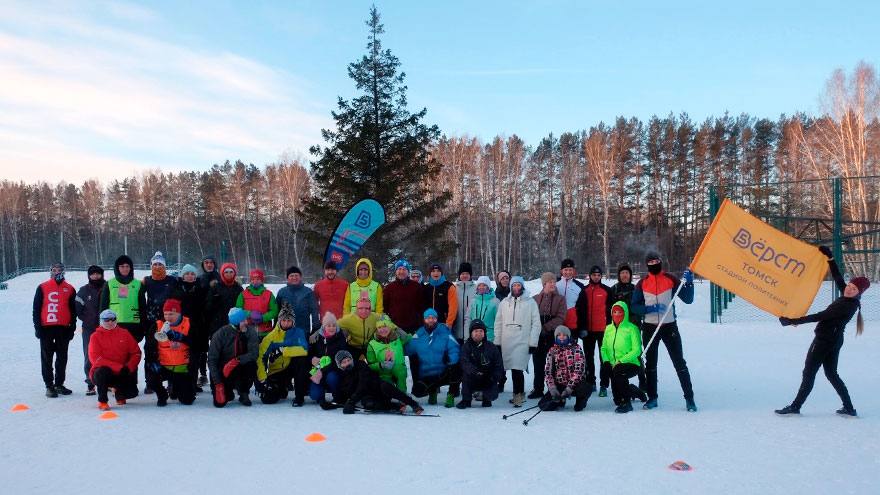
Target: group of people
{"type": "Point", "coordinates": [351, 341]}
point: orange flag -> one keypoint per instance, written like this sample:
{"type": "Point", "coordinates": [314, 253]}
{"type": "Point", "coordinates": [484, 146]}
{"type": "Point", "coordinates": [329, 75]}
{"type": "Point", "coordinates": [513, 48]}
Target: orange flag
{"type": "Point", "coordinates": [766, 267]}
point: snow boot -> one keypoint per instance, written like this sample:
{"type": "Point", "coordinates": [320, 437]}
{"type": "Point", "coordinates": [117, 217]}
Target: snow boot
{"type": "Point", "coordinates": [162, 401]}
{"type": "Point", "coordinates": [478, 395]}
{"type": "Point", "coordinates": [624, 408]}
{"type": "Point", "coordinates": [651, 404]}
{"type": "Point", "coordinates": [691, 405]}
{"type": "Point", "coordinates": [580, 404]}
{"type": "Point", "coordinates": [450, 400]}
{"type": "Point", "coordinates": [103, 406]}
{"type": "Point", "coordinates": [91, 390]}
{"type": "Point", "coordinates": [487, 403]}
{"type": "Point", "coordinates": [536, 394]}
{"type": "Point", "coordinates": [463, 404]}
{"type": "Point", "coordinates": [603, 392]}
{"type": "Point", "coordinates": [847, 411]}
{"type": "Point", "coordinates": [638, 394]}
{"type": "Point", "coordinates": [244, 400]}
{"type": "Point", "coordinates": [298, 402]}
{"type": "Point", "coordinates": [120, 402]}
{"type": "Point", "coordinates": [203, 380]}
{"type": "Point", "coordinates": [50, 392]}
{"type": "Point", "coordinates": [787, 410]}
{"type": "Point", "coordinates": [519, 399]}
{"type": "Point", "coordinates": [61, 389]}
{"type": "Point", "coordinates": [432, 398]}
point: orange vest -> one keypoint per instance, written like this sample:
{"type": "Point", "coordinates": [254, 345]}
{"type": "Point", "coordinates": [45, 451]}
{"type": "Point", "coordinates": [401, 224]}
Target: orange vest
{"type": "Point", "coordinates": [56, 298]}
{"type": "Point", "coordinates": [253, 302]}
{"type": "Point", "coordinates": [172, 353]}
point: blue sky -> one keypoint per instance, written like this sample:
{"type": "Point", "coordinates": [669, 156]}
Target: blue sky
{"type": "Point", "coordinates": [104, 89]}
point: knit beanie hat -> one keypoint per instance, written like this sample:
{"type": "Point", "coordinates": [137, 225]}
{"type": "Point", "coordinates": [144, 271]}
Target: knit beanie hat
{"type": "Point", "coordinates": [158, 258]}
{"type": "Point", "coordinates": [329, 319]}
{"type": "Point", "coordinates": [172, 305]}
{"type": "Point", "coordinates": [567, 263]}
{"type": "Point", "coordinates": [483, 279]}
{"type": "Point", "coordinates": [861, 282]}
{"type": "Point", "coordinates": [562, 329]}
{"type": "Point", "coordinates": [340, 357]}
{"type": "Point", "coordinates": [187, 268]}
{"type": "Point", "coordinates": [402, 264]}
{"type": "Point", "coordinates": [430, 312]}
{"type": "Point", "coordinates": [237, 315]}
{"type": "Point", "coordinates": [477, 324]}
{"type": "Point", "coordinates": [95, 269]}
{"type": "Point", "coordinates": [595, 269]}
{"type": "Point", "coordinates": [293, 269]}
{"type": "Point", "coordinates": [465, 268]}
{"type": "Point", "coordinates": [286, 313]}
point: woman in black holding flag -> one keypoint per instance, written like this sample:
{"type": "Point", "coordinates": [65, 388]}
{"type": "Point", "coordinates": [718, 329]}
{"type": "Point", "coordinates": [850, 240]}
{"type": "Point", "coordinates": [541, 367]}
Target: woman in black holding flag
{"type": "Point", "coordinates": [825, 350]}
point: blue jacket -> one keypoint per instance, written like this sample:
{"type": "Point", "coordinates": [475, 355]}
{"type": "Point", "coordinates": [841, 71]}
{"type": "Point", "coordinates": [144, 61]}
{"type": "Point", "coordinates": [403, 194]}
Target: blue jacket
{"type": "Point", "coordinates": [436, 350]}
{"type": "Point", "coordinates": [303, 303]}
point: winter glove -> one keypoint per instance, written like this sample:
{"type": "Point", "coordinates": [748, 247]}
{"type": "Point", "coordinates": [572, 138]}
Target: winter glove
{"type": "Point", "coordinates": [212, 283]}
{"type": "Point", "coordinates": [256, 317]}
{"type": "Point", "coordinates": [274, 346]}
{"type": "Point", "coordinates": [785, 321]}
{"type": "Point", "coordinates": [387, 365]}
{"type": "Point", "coordinates": [826, 251]}
{"type": "Point", "coordinates": [567, 392]}
{"type": "Point", "coordinates": [219, 394]}
{"type": "Point", "coordinates": [316, 361]}
{"type": "Point", "coordinates": [688, 276]}
{"type": "Point", "coordinates": [229, 367]}
{"type": "Point", "coordinates": [349, 408]}
{"type": "Point", "coordinates": [313, 338]}
{"type": "Point", "coordinates": [655, 308]}
{"type": "Point", "coordinates": [554, 392]}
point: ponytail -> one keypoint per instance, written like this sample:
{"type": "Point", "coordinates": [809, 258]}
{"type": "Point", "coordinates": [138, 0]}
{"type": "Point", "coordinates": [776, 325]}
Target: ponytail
{"type": "Point", "coordinates": [860, 323]}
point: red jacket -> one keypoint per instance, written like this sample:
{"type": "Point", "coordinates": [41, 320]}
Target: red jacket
{"type": "Point", "coordinates": [113, 349]}
{"type": "Point", "coordinates": [593, 307]}
{"type": "Point", "coordinates": [331, 296]}
{"type": "Point", "coordinates": [404, 304]}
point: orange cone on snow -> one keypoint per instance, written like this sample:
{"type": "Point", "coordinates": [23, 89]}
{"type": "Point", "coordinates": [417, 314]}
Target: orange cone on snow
{"type": "Point", "coordinates": [20, 407]}
{"type": "Point", "coordinates": [108, 415]}
{"type": "Point", "coordinates": [315, 437]}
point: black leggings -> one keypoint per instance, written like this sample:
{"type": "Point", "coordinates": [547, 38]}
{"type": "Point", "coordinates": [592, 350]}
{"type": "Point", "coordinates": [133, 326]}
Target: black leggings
{"type": "Point", "coordinates": [669, 335]}
{"type": "Point", "coordinates": [593, 341]}
{"type": "Point", "coordinates": [519, 381]}
{"type": "Point", "coordinates": [824, 354]}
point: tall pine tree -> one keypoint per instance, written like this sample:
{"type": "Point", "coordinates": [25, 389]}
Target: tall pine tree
{"type": "Point", "coordinates": [382, 151]}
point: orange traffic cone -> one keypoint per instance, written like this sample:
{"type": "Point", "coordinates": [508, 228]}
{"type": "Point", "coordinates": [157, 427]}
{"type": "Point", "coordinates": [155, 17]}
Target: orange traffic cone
{"type": "Point", "coordinates": [315, 437]}
{"type": "Point", "coordinates": [108, 415]}
{"type": "Point", "coordinates": [20, 407]}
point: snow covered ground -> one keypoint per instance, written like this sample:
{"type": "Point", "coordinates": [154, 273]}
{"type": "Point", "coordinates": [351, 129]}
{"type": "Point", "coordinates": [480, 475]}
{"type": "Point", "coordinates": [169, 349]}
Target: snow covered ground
{"type": "Point", "coordinates": [741, 372]}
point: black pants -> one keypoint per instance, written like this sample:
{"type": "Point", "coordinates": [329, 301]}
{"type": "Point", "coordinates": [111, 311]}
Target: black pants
{"type": "Point", "coordinates": [621, 389]}
{"type": "Point", "coordinates": [825, 354]}
{"type": "Point", "coordinates": [539, 359]}
{"type": "Point", "coordinates": [519, 381]}
{"type": "Point", "coordinates": [276, 385]}
{"type": "Point", "coordinates": [241, 379]}
{"type": "Point", "coordinates": [484, 384]}
{"type": "Point", "coordinates": [387, 393]}
{"type": "Point", "coordinates": [54, 343]}
{"type": "Point", "coordinates": [124, 383]}
{"type": "Point", "coordinates": [431, 384]}
{"type": "Point", "coordinates": [180, 382]}
{"type": "Point", "coordinates": [668, 333]}
{"type": "Point", "coordinates": [593, 341]}
{"type": "Point", "coordinates": [581, 392]}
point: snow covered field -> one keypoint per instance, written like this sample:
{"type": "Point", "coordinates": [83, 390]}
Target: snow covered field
{"type": "Point", "coordinates": [741, 372]}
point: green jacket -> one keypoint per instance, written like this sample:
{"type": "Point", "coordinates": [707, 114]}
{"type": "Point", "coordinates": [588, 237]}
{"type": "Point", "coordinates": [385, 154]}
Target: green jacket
{"type": "Point", "coordinates": [376, 356]}
{"type": "Point", "coordinates": [484, 308]}
{"type": "Point", "coordinates": [622, 344]}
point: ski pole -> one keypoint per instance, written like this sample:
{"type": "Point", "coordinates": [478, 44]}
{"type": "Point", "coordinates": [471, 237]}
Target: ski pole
{"type": "Point", "coordinates": [660, 323]}
{"type": "Point", "coordinates": [519, 412]}
{"type": "Point", "coordinates": [526, 422]}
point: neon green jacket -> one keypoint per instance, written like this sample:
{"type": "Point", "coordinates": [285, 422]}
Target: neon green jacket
{"type": "Point", "coordinates": [622, 344]}
{"type": "Point", "coordinates": [376, 356]}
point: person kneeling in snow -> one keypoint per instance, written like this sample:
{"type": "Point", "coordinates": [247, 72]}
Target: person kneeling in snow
{"type": "Point", "coordinates": [283, 356]}
{"type": "Point", "coordinates": [167, 356]}
{"type": "Point", "coordinates": [481, 365]}
{"type": "Point", "coordinates": [438, 353]}
{"type": "Point", "coordinates": [564, 373]}
{"type": "Point", "coordinates": [385, 353]}
{"type": "Point", "coordinates": [324, 373]}
{"type": "Point", "coordinates": [115, 356]}
{"type": "Point", "coordinates": [232, 359]}
{"type": "Point", "coordinates": [358, 383]}
{"type": "Point", "coordinates": [621, 351]}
